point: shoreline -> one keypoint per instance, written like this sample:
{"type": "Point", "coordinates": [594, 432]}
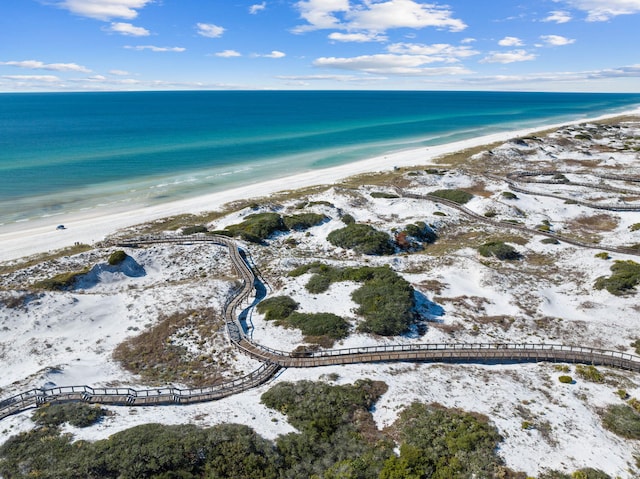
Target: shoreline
{"type": "Point", "coordinates": [39, 236]}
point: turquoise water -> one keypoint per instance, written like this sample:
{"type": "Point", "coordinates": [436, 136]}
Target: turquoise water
{"type": "Point", "coordinates": [63, 152]}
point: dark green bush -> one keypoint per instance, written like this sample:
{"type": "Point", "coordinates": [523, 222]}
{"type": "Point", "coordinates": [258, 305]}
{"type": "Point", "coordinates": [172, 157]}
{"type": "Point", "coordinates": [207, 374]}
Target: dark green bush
{"type": "Point", "coordinates": [382, 194]}
{"type": "Point", "coordinates": [589, 373]}
{"type": "Point", "coordinates": [303, 221]}
{"type": "Point", "coordinates": [457, 196]}
{"type": "Point", "coordinates": [565, 379]}
{"type": "Point", "coordinates": [61, 281]}
{"type": "Point", "coordinates": [625, 277]}
{"type": "Point", "coordinates": [386, 299]}
{"type": "Point", "coordinates": [507, 195]}
{"type": "Point", "coordinates": [500, 250]}
{"type": "Point", "coordinates": [361, 238]}
{"type": "Point", "coordinates": [348, 219]}
{"type": "Point", "coordinates": [277, 307]}
{"type": "Point", "coordinates": [319, 324]}
{"type": "Point", "coordinates": [258, 227]}
{"type": "Point", "coordinates": [635, 227]}
{"type": "Point", "coordinates": [590, 473]}
{"type": "Point", "coordinates": [622, 420]}
{"type": "Point", "coordinates": [117, 257]}
{"type": "Point", "coordinates": [549, 241]}
{"type": "Point", "coordinates": [76, 414]}
{"type": "Point", "coordinates": [189, 230]}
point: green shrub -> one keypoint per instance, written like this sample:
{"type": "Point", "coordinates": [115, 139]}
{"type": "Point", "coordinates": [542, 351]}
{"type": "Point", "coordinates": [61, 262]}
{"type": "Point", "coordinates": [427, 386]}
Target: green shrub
{"type": "Point", "coordinates": [318, 284]}
{"type": "Point", "coordinates": [361, 238]}
{"type": "Point", "coordinates": [61, 281]}
{"type": "Point", "coordinates": [565, 379]}
{"type": "Point", "coordinates": [117, 257]}
{"type": "Point", "coordinates": [190, 230]}
{"type": "Point", "coordinates": [319, 324]}
{"type": "Point", "coordinates": [348, 219]}
{"type": "Point", "coordinates": [382, 194]}
{"type": "Point", "coordinates": [490, 214]}
{"type": "Point", "coordinates": [76, 414]}
{"type": "Point", "coordinates": [439, 213]}
{"type": "Point", "coordinates": [543, 227]}
{"type": "Point", "coordinates": [507, 195]}
{"type": "Point", "coordinates": [589, 373]}
{"type": "Point", "coordinates": [625, 277]}
{"type": "Point", "coordinates": [635, 227]}
{"type": "Point", "coordinates": [277, 307]}
{"type": "Point", "coordinates": [636, 346]}
{"type": "Point", "coordinates": [457, 196]}
{"type": "Point", "coordinates": [443, 443]}
{"type": "Point", "coordinates": [622, 420]}
{"type": "Point", "coordinates": [500, 250]}
{"type": "Point", "coordinates": [258, 227]}
{"type": "Point", "coordinates": [303, 221]}
{"type": "Point", "coordinates": [549, 241]}
{"type": "Point", "coordinates": [321, 203]}
{"type": "Point", "coordinates": [590, 473]}
{"type": "Point", "coordinates": [602, 255]}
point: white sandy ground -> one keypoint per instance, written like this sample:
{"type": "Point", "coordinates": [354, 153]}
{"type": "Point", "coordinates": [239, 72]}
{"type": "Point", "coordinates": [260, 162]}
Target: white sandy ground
{"type": "Point", "coordinates": [27, 238]}
{"type": "Point", "coordinates": [68, 338]}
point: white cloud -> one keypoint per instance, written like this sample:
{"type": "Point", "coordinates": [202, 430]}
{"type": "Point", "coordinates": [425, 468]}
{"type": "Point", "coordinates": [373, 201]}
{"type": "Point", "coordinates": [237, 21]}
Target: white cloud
{"type": "Point", "coordinates": [39, 78]}
{"type": "Point", "coordinates": [389, 64]}
{"type": "Point", "coordinates": [509, 57]}
{"type": "Point", "coordinates": [357, 37]}
{"type": "Point", "coordinates": [558, 16]}
{"type": "Point", "coordinates": [253, 9]}
{"type": "Point", "coordinates": [376, 17]}
{"type": "Point", "coordinates": [104, 9]}
{"type": "Point", "coordinates": [128, 29]}
{"type": "Point", "coordinates": [228, 54]}
{"type": "Point", "coordinates": [209, 30]}
{"type": "Point", "coordinates": [439, 52]}
{"type": "Point", "coordinates": [154, 48]}
{"type": "Point", "coordinates": [510, 42]}
{"type": "Point", "coordinates": [339, 78]}
{"type": "Point", "coordinates": [58, 67]}
{"type": "Point", "coordinates": [631, 71]}
{"type": "Point", "coordinates": [119, 72]}
{"type": "Point", "coordinates": [603, 10]}
{"type": "Point", "coordinates": [556, 40]}
{"type": "Point", "coordinates": [274, 54]}
{"type": "Point", "coordinates": [464, 41]}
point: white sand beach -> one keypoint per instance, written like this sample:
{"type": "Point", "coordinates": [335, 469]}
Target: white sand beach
{"type": "Point", "coordinates": [27, 238]}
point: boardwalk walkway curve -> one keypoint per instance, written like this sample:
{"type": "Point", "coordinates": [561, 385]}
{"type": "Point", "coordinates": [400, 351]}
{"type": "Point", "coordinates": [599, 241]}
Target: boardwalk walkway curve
{"type": "Point", "coordinates": [274, 360]}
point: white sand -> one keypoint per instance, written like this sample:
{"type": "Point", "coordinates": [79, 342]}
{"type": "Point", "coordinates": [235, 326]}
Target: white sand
{"type": "Point", "coordinates": [39, 236]}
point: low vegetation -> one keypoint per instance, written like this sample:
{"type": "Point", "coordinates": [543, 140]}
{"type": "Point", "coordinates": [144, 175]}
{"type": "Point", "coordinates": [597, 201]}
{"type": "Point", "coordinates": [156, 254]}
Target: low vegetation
{"type": "Point", "coordinates": [62, 281]}
{"type": "Point", "coordinates": [457, 196]}
{"type": "Point", "coordinates": [589, 373]}
{"type": "Point", "coordinates": [507, 195]}
{"type": "Point", "coordinates": [623, 280]}
{"type": "Point", "coordinates": [361, 238]}
{"type": "Point", "coordinates": [382, 194]}
{"type": "Point", "coordinates": [117, 257]}
{"type": "Point", "coordinates": [635, 227]}
{"type": "Point", "coordinates": [565, 379]}
{"type": "Point", "coordinates": [190, 230]}
{"type": "Point", "coordinates": [386, 299]}
{"type": "Point", "coordinates": [500, 250]}
{"type": "Point", "coordinates": [257, 227]}
{"type": "Point", "coordinates": [622, 420]}
{"type": "Point", "coordinates": [414, 236]}
{"type": "Point", "coordinates": [277, 307]}
{"type": "Point", "coordinates": [304, 221]}
{"type": "Point", "coordinates": [75, 414]}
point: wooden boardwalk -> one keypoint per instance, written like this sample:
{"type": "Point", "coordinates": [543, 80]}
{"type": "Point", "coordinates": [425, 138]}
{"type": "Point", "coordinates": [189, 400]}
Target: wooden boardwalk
{"type": "Point", "coordinates": [274, 360]}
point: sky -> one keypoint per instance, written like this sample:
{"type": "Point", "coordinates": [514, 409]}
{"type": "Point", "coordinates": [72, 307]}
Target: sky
{"type": "Point", "coordinates": [539, 45]}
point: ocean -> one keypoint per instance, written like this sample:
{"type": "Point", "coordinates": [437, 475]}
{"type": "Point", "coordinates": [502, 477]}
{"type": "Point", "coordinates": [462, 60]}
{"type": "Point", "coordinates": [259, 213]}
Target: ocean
{"type": "Point", "coordinates": [69, 152]}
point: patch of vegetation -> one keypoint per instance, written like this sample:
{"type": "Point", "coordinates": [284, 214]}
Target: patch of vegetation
{"type": "Point", "coordinates": [62, 281]}
{"type": "Point", "coordinates": [500, 250]}
{"type": "Point", "coordinates": [635, 227]}
{"type": "Point", "coordinates": [117, 257]}
{"type": "Point", "coordinates": [457, 196]}
{"type": "Point", "coordinates": [544, 227]}
{"type": "Point", "coordinates": [636, 346]}
{"type": "Point", "coordinates": [303, 221]}
{"type": "Point", "coordinates": [159, 359]}
{"type": "Point", "coordinates": [277, 307]}
{"type": "Point", "coordinates": [319, 324]}
{"type": "Point", "coordinates": [602, 255]}
{"type": "Point", "coordinates": [590, 473]}
{"type": "Point", "coordinates": [565, 379]}
{"type": "Point", "coordinates": [382, 194]}
{"type": "Point", "coordinates": [439, 213]}
{"type": "Point", "coordinates": [257, 227]}
{"type": "Point", "coordinates": [190, 230]}
{"type": "Point", "coordinates": [76, 414]}
{"type": "Point", "coordinates": [508, 195]}
{"type": "Point", "coordinates": [386, 299]}
{"type": "Point", "coordinates": [490, 214]}
{"type": "Point", "coordinates": [414, 236]}
{"type": "Point", "coordinates": [361, 238]}
{"type": "Point", "coordinates": [348, 219]}
{"type": "Point", "coordinates": [443, 443]}
{"type": "Point", "coordinates": [622, 420]}
{"type": "Point", "coordinates": [589, 373]}
{"type": "Point", "coordinates": [625, 277]}
{"type": "Point", "coordinates": [549, 241]}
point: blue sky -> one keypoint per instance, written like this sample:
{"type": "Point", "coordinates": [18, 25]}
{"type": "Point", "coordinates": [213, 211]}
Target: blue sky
{"type": "Point", "coordinates": [544, 45]}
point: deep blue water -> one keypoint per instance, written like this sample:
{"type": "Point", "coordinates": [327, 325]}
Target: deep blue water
{"type": "Point", "coordinates": [62, 152]}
